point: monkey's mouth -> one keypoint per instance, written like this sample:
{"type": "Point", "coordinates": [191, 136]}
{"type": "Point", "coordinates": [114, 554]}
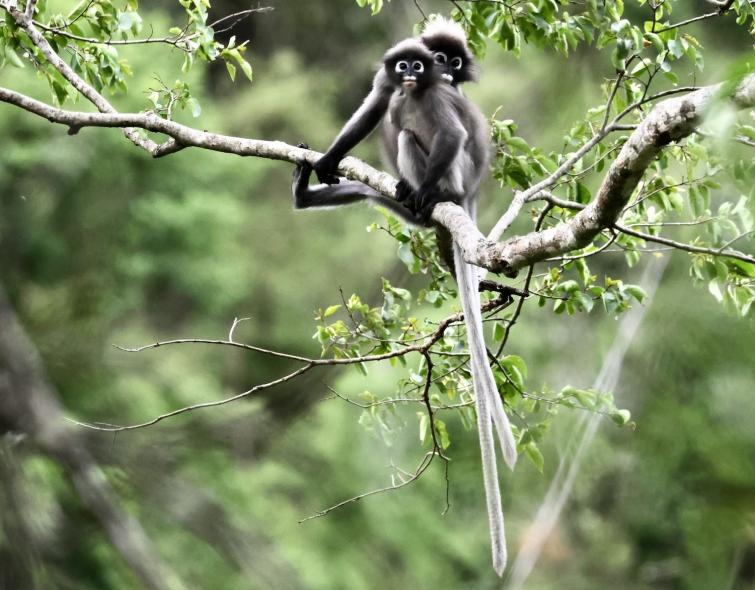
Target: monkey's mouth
{"type": "Point", "coordinates": [410, 82]}
{"type": "Point", "coordinates": [447, 77]}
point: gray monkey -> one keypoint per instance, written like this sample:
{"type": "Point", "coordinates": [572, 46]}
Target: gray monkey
{"type": "Point", "coordinates": [448, 42]}
{"type": "Point", "coordinates": [437, 141]}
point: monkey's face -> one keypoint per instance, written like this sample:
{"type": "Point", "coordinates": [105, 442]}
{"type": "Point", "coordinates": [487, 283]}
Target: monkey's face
{"type": "Point", "coordinates": [454, 60]}
{"type": "Point", "coordinates": [412, 71]}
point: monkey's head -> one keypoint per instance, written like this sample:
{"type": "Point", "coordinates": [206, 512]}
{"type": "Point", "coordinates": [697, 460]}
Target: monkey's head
{"type": "Point", "coordinates": [411, 65]}
{"type": "Point", "coordinates": [448, 42]}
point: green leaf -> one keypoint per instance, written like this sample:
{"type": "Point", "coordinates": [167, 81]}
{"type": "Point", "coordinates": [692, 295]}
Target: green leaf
{"type": "Point", "coordinates": [331, 310]}
{"type": "Point", "coordinates": [442, 433]}
{"type": "Point", "coordinates": [621, 417]}
{"type": "Point", "coordinates": [406, 255]}
{"type": "Point", "coordinates": [715, 289]}
{"type": "Point", "coordinates": [246, 67]}
{"type": "Point", "coordinates": [516, 363]}
{"type": "Point", "coordinates": [655, 40]}
{"type": "Point", "coordinates": [432, 296]}
{"type": "Point", "coordinates": [637, 292]}
{"type": "Point", "coordinates": [423, 424]}
{"type": "Point", "coordinates": [535, 456]}
{"type": "Point", "coordinates": [583, 193]}
{"type": "Point", "coordinates": [12, 56]}
{"type": "Point", "coordinates": [231, 70]}
{"type": "Point", "coordinates": [193, 105]}
{"type": "Point", "coordinates": [60, 91]}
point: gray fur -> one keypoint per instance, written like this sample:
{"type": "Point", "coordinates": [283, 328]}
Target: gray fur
{"type": "Point", "coordinates": [443, 109]}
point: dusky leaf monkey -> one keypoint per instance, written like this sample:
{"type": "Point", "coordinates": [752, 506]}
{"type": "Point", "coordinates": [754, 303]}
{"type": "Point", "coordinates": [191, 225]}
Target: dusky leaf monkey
{"type": "Point", "coordinates": [438, 142]}
{"type": "Point", "coordinates": [448, 42]}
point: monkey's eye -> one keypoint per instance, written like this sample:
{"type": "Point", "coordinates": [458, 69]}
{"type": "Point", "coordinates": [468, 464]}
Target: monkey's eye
{"type": "Point", "coordinates": [418, 67]}
{"type": "Point", "coordinates": [402, 66]}
{"type": "Point", "coordinates": [441, 58]}
{"type": "Point", "coordinates": [456, 63]}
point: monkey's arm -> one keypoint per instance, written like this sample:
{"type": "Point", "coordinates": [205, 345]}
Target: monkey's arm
{"type": "Point", "coordinates": [359, 126]}
{"type": "Point", "coordinates": [445, 148]}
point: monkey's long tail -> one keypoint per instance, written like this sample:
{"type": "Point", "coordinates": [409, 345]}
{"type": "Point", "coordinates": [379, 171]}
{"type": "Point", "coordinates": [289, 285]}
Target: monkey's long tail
{"type": "Point", "coordinates": [489, 407]}
{"type": "Point", "coordinates": [482, 376]}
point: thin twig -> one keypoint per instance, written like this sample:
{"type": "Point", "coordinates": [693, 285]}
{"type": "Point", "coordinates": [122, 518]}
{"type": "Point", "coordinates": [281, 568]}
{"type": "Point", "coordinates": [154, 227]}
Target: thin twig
{"type": "Point", "coordinates": [723, 5]}
{"type": "Point", "coordinates": [421, 468]}
{"type": "Point", "coordinates": [526, 288]}
{"type": "Point", "coordinates": [191, 408]}
{"type": "Point", "coordinates": [687, 247]}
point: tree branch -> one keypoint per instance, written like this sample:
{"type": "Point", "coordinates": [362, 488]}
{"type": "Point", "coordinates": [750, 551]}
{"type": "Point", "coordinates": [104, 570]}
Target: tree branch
{"type": "Point", "coordinates": [24, 21]}
{"type": "Point", "coordinates": [670, 120]}
{"type": "Point", "coordinates": [179, 41]}
{"type": "Point", "coordinates": [723, 7]}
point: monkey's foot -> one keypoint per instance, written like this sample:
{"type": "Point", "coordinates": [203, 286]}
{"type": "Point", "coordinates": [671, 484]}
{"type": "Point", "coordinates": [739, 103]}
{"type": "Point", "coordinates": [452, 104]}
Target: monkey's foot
{"type": "Point", "coordinates": [426, 205]}
{"type": "Point", "coordinates": [404, 192]}
{"type": "Point", "coordinates": [300, 182]}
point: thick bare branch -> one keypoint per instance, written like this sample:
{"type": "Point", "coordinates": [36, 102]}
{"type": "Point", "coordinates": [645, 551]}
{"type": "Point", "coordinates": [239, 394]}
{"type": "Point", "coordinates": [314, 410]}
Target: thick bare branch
{"type": "Point", "coordinates": [670, 120]}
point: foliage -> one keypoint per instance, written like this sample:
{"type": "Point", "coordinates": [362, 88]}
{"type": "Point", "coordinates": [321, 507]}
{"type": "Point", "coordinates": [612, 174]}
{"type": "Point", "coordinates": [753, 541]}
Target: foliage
{"type": "Point", "coordinates": [92, 34]}
{"type": "Point", "coordinates": [176, 246]}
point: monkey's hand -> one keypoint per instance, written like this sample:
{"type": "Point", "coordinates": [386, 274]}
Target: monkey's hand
{"type": "Point", "coordinates": [407, 196]}
{"type": "Point", "coordinates": [326, 169]}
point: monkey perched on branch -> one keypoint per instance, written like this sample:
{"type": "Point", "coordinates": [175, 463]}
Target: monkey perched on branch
{"type": "Point", "coordinates": [437, 140]}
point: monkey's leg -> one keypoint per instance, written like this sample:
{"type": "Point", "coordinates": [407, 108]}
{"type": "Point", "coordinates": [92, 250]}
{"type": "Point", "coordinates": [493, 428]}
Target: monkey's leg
{"type": "Point", "coordinates": [326, 195]}
{"type": "Point", "coordinates": [412, 166]}
{"type": "Point", "coordinates": [346, 192]}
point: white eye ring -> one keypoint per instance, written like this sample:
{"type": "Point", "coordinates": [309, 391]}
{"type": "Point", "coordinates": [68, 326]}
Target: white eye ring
{"type": "Point", "coordinates": [456, 63]}
{"type": "Point", "coordinates": [441, 57]}
{"type": "Point", "coordinates": [418, 67]}
{"type": "Point", "coordinates": [402, 66]}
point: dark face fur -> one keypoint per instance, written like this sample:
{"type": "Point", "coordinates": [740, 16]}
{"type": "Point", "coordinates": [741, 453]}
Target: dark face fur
{"type": "Point", "coordinates": [453, 58]}
{"type": "Point", "coordinates": [412, 70]}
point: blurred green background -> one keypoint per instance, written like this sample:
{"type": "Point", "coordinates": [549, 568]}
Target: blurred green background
{"type": "Point", "coordinates": [102, 245]}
